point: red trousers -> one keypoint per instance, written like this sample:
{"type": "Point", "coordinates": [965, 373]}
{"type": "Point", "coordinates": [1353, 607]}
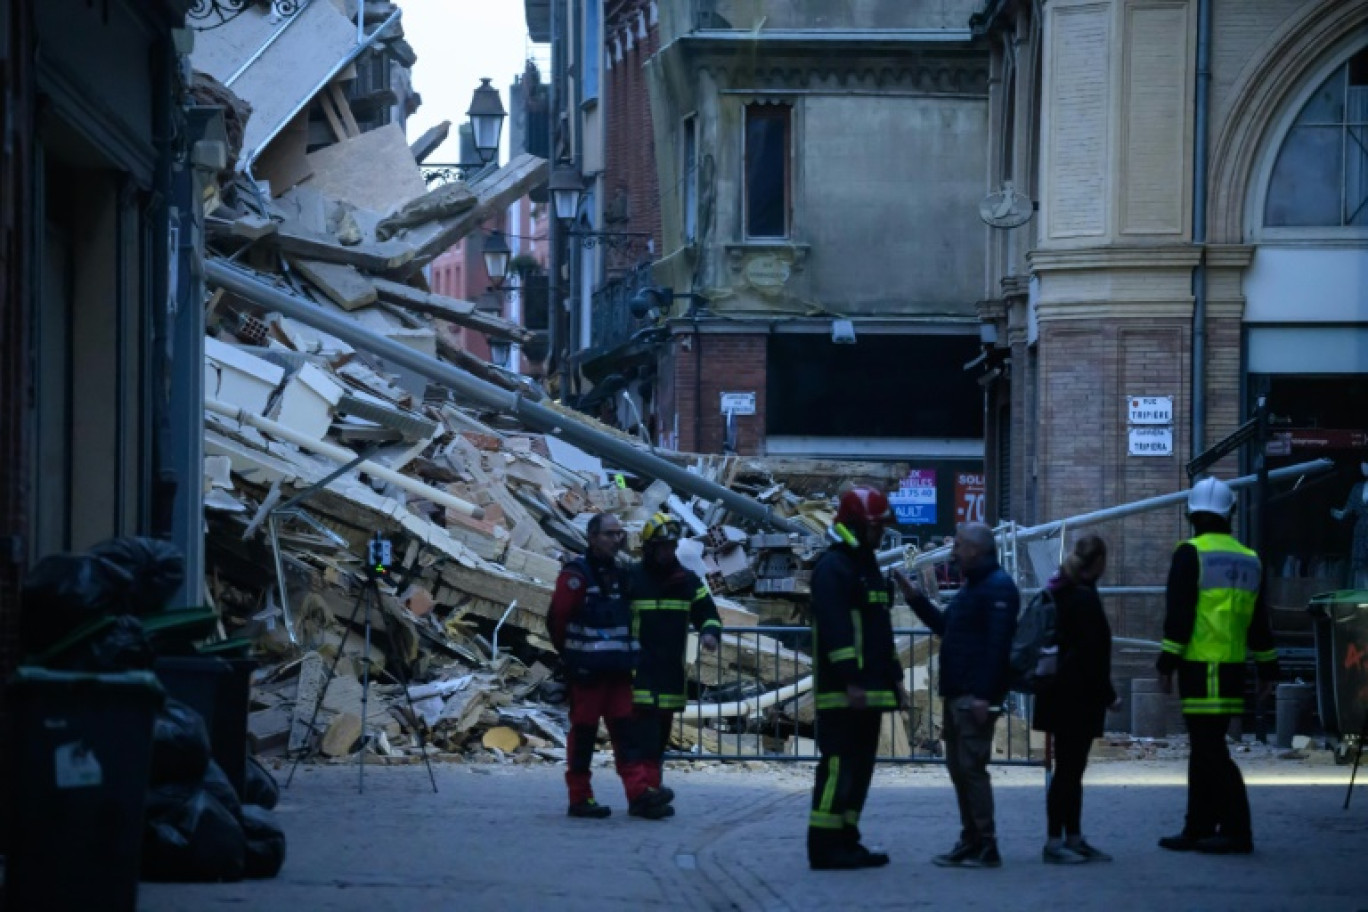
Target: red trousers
{"type": "Point", "coordinates": [608, 698]}
{"type": "Point", "coordinates": [653, 726]}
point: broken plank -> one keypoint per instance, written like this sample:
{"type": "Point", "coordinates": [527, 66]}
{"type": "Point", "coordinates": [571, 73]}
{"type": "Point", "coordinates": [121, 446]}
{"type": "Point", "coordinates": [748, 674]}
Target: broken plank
{"type": "Point", "coordinates": [453, 310]}
{"type": "Point", "coordinates": [384, 257]}
{"type": "Point", "coordinates": [495, 192]}
{"type": "Point", "coordinates": [342, 284]}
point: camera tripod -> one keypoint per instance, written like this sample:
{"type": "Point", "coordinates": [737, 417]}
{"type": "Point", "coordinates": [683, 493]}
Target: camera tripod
{"type": "Point", "coordinates": [368, 597]}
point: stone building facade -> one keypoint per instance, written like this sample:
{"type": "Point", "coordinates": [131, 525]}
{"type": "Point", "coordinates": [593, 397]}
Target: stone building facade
{"type": "Point", "coordinates": [1150, 270]}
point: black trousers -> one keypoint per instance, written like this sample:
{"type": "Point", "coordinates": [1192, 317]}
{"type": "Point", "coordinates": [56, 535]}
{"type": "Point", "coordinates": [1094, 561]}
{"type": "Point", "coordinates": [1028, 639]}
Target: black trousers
{"type": "Point", "coordinates": [847, 740]}
{"type": "Point", "coordinates": [1064, 803]}
{"type": "Point", "coordinates": [1217, 800]}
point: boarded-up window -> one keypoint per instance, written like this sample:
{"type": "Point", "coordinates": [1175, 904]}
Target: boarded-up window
{"type": "Point", "coordinates": [767, 170]}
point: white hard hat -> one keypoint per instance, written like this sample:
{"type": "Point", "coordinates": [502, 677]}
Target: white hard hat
{"type": "Point", "coordinates": [1211, 495]}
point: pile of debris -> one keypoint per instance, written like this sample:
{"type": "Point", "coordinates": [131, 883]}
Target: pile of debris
{"type": "Point", "coordinates": [314, 446]}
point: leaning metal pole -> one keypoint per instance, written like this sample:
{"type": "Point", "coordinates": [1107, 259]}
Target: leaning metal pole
{"type": "Point", "coordinates": [1315, 467]}
{"type": "Point", "coordinates": [548, 421]}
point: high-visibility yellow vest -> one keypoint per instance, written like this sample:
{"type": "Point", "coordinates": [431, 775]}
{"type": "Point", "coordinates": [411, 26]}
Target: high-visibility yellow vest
{"type": "Point", "coordinates": [1228, 587]}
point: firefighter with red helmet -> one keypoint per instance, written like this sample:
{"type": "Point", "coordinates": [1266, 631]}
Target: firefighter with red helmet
{"type": "Point", "coordinates": [858, 677]}
{"type": "Point", "coordinates": [665, 599]}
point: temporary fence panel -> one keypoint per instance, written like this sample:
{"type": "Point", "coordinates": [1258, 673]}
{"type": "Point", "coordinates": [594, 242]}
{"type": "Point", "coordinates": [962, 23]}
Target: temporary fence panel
{"type": "Point", "coordinates": [753, 699]}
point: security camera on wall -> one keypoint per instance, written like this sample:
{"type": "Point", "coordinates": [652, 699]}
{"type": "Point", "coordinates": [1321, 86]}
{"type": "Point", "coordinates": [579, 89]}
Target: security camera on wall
{"type": "Point", "coordinates": [843, 332]}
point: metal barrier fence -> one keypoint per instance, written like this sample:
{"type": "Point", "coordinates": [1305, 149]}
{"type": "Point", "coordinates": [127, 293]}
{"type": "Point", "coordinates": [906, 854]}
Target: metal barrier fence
{"type": "Point", "coordinates": [753, 699]}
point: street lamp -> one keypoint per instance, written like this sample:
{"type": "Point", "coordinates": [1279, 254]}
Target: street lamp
{"type": "Point", "coordinates": [567, 188]}
{"type": "Point", "coordinates": [496, 257]}
{"type": "Point", "coordinates": [486, 118]}
{"type": "Point", "coordinates": [499, 350]}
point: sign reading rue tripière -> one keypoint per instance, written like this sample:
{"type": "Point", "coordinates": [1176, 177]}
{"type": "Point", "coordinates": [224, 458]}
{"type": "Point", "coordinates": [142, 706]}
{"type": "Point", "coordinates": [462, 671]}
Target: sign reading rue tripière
{"type": "Point", "coordinates": [1150, 409]}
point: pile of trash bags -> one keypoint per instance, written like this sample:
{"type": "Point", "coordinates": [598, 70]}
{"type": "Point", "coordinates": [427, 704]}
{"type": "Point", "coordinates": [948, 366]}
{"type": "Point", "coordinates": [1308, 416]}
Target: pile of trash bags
{"type": "Point", "coordinates": [197, 825]}
{"type": "Point", "coordinates": [123, 578]}
{"type": "Point", "coordinates": [91, 612]}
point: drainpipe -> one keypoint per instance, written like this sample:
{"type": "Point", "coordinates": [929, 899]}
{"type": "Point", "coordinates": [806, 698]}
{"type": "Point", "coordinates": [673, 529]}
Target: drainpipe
{"type": "Point", "coordinates": [698, 380]}
{"type": "Point", "coordinates": [1199, 226]}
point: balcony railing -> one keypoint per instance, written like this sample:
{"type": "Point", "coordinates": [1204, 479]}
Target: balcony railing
{"type": "Point", "coordinates": [611, 319]}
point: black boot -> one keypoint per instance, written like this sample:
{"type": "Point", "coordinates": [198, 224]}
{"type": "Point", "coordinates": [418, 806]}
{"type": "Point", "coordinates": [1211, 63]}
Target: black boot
{"type": "Point", "coordinates": [1182, 842]}
{"type": "Point", "coordinates": [589, 808]}
{"type": "Point", "coordinates": [955, 857]}
{"type": "Point", "coordinates": [653, 804]}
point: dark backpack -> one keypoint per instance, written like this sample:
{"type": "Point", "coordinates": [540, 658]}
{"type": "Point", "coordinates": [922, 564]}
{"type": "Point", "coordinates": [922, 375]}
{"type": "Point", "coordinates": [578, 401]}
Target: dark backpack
{"type": "Point", "coordinates": [1035, 651]}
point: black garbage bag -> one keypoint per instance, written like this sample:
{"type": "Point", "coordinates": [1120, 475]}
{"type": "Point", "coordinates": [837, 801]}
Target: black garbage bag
{"type": "Point", "coordinates": [265, 841]}
{"type": "Point", "coordinates": [64, 591]}
{"type": "Point", "coordinates": [216, 783]}
{"type": "Point", "coordinates": [190, 836]}
{"type": "Point", "coordinates": [124, 647]}
{"type": "Point", "coordinates": [180, 746]}
{"type": "Point", "coordinates": [259, 787]}
{"type": "Point", "coordinates": [155, 570]}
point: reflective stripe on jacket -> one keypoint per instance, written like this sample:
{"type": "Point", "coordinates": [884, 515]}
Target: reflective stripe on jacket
{"type": "Point", "coordinates": [598, 637]}
{"type": "Point", "coordinates": [663, 607]}
{"type": "Point", "coordinates": [852, 629]}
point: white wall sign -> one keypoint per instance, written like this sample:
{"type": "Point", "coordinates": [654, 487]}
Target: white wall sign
{"type": "Point", "coordinates": [1151, 441]}
{"type": "Point", "coordinates": [738, 403]}
{"type": "Point", "coordinates": [1150, 409]}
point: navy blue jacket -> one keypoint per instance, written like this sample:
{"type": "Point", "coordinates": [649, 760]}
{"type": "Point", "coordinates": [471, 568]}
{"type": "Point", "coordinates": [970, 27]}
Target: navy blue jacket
{"type": "Point", "coordinates": [976, 631]}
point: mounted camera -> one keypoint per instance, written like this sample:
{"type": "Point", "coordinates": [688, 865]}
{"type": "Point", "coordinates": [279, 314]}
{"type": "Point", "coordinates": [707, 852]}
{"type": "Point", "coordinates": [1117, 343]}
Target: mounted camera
{"type": "Point", "coordinates": [379, 557]}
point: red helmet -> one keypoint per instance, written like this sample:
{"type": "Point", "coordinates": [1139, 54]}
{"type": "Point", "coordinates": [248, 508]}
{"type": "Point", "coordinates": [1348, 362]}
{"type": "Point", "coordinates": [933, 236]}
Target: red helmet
{"type": "Point", "coordinates": [861, 505]}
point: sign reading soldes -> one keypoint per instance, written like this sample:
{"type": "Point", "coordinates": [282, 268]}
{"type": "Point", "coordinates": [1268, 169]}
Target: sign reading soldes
{"type": "Point", "coordinates": [971, 492]}
{"type": "Point", "coordinates": [914, 503]}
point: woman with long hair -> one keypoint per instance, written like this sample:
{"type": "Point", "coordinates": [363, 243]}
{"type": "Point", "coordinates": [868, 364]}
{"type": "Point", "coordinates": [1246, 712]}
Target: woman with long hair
{"type": "Point", "coordinates": [1073, 707]}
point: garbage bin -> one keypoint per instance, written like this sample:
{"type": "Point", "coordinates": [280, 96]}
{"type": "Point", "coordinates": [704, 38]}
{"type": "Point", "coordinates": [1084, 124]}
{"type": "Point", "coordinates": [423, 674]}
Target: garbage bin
{"type": "Point", "coordinates": [1341, 630]}
{"type": "Point", "coordinates": [218, 689]}
{"type": "Point", "coordinates": [82, 753]}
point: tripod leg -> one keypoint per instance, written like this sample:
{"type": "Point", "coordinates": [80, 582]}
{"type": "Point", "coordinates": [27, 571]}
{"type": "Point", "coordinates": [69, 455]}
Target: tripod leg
{"type": "Point", "coordinates": [403, 678]}
{"type": "Point", "coordinates": [327, 679]}
{"type": "Point", "coordinates": [1358, 756]}
{"type": "Point", "coordinates": [371, 591]}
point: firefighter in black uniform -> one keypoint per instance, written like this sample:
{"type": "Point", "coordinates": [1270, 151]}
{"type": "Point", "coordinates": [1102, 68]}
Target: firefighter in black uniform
{"type": "Point", "coordinates": [858, 677]}
{"type": "Point", "coordinates": [665, 599]}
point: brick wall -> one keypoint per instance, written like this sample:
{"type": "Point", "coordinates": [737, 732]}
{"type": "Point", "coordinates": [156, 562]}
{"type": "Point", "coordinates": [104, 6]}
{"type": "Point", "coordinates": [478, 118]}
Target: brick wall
{"type": "Point", "coordinates": [629, 140]}
{"type": "Point", "coordinates": [729, 362]}
{"type": "Point", "coordinates": [1087, 369]}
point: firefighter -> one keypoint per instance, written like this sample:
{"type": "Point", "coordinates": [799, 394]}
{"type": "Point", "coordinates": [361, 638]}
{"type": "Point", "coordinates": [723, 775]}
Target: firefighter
{"type": "Point", "coordinates": [665, 599]}
{"type": "Point", "coordinates": [858, 678]}
{"type": "Point", "coordinates": [1215, 614]}
{"type": "Point", "coordinates": [590, 624]}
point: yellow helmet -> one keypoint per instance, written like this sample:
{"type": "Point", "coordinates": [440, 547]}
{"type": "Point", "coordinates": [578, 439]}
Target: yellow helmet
{"type": "Point", "coordinates": [662, 527]}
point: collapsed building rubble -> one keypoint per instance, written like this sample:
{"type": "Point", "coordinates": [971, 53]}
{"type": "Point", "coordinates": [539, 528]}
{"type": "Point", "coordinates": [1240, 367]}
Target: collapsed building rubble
{"type": "Point", "coordinates": [337, 407]}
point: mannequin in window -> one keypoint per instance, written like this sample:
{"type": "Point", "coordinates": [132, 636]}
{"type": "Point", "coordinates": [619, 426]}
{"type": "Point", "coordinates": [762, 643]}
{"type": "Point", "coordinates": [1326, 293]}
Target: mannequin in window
{"type": "Point", "coordinates": [1356, 508]}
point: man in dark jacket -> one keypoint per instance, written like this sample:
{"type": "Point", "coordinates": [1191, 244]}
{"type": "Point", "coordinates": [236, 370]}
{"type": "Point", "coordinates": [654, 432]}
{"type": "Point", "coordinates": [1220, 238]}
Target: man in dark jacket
{"type": "Point", "coordinates": [665, 598]}
{"type": "Point", "coordinates": [976, 631]}
{"type": "Point", "coordinates": [858, 678]}
{"type": "Point", "coordinates": [590, 625]}
{"type": "Point", "coordinates": [1215, 615]}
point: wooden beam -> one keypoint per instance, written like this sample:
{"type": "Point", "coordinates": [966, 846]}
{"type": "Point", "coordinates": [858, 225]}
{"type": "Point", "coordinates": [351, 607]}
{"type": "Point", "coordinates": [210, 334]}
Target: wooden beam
{"type": "Point", "coordinates": [342, 284]}
{"type": "Point", "coordinates": [495, 192]}
{"type": "Point", "coordinates": [454, 310]}
{"type": "Point", "coordinates": [344, 108]}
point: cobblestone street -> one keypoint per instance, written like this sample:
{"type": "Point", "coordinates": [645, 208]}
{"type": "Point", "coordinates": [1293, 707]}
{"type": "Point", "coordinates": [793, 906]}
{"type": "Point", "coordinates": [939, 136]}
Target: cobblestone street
{"type": "Point", "coordinates": [496, 837]}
